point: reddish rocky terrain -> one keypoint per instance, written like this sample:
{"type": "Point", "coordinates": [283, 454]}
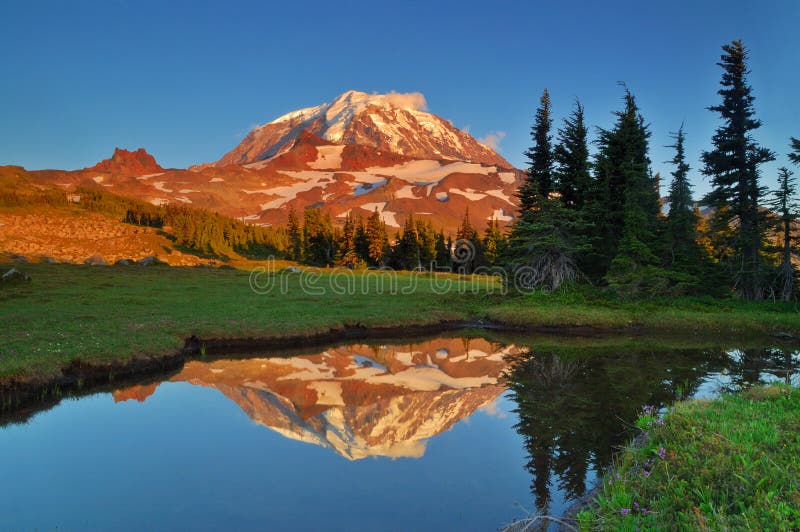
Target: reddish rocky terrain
{"type": "Point", "coordinates": [358, 154]}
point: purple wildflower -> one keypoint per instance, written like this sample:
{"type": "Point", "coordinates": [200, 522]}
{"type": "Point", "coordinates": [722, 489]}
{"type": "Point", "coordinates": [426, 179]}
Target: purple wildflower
{"type": "Point", "coordinates": [625, 511]}
{"type": "Point", "coordinates": [646, 473]}
{"type": "Point", "coordinates": [662, 453]}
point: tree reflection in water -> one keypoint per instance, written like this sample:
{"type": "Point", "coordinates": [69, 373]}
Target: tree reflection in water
{"type": "Point", "coordinates": [575, 407]}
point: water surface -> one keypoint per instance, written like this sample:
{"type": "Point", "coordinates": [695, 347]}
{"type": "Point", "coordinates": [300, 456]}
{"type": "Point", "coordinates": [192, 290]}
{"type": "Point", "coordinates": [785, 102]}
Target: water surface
{"type": "Point", "coordinates": [459, 433]}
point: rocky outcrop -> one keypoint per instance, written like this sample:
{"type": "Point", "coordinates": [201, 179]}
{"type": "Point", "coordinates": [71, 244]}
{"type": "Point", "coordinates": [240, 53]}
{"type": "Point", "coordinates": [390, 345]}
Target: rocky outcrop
{"type": "Point", "coordinates": [131, 163]}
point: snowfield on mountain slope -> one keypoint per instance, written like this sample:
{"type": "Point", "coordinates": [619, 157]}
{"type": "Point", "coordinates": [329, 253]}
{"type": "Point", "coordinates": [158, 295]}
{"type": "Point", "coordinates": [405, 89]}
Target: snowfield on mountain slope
{"type": "Point", "coordinates": [397, 123]}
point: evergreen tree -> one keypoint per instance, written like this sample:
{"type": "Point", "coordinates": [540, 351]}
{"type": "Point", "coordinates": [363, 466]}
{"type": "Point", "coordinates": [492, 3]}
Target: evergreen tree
{"type": "Point", "coordinates": [622, 175]}
{"type": "Point", "coordinates": [572, 159]}
{"type": "Point", "coordinates": [785, 206]}
{"type": "Point", "coordinates": [467, 253]}
{"type": "Point", "coordinates": [633, 269]}
{"type": "Point", "coordinates": [539, 175]}
{"type": "Point", "coordinates": [318, 238]}
{"type": "Point", "coordinates": [407, 252]}
{"type": "Point", "coordinates": [794, 154]}
{"type": "Point", "coordinates": [427, 243]}
{"type": "Point", "coordinates": [733, 166]}
{"type": "Point", "coordinates": [544, 244]}
{"type": "Point", "coordinates": [546, 237]}
{"type": "Point", "coordinates": [493, 243]}
{"type": "Point", "coordinates": [377, 240]}
{"type": "Point", "coordinates": [347, 254]}
{"type": "Point", "coordinates": [295, 250]}
{"type": "Point", "coordinates": [443, 251]}
{"type": "Point", "coordinates": [362, 244]}
{"type": "Point", "coordinates": [681, 224]}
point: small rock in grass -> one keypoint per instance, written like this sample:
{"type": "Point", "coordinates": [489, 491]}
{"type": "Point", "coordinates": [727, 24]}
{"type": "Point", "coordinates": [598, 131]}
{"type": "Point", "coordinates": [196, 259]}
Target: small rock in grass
{"type": "Point", "coordinates": [13, 276]}
{"type": "Point", "coordinates": [149, 261]}
{"type": "Point", "coordinates": [95, 260]}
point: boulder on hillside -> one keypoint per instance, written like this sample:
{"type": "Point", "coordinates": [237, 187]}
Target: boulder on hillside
{"type": "Point", "coordinates": [149, 261]}
{"type": "Point", "coordinates": [123, 262]}
{"type": "Point", "coordinates": [14, 276]}
{"type": "Point", "coordinates": [95, 260]}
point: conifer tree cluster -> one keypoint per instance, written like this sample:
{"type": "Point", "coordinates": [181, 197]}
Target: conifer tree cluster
{"type": "Point", "coordinates": [365, 243]}
{"type": "Point", "coordinates": [602, 218]}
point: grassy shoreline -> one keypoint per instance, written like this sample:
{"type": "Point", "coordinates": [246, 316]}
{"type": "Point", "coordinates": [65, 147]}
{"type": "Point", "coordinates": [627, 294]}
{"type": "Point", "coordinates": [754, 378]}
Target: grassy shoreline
{"type": "Point", "coordinates": [115, 314]}
{"type": "Point", "coordinates": [728, 463]}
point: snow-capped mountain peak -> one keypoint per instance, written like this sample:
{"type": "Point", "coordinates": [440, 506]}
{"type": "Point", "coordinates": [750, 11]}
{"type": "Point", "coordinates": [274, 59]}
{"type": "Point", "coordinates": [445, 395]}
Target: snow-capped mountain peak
{"type": "Point", "coordinates": [394, 122]}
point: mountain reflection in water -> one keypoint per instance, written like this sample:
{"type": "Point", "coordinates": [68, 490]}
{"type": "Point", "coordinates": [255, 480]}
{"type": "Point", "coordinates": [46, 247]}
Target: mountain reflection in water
{"type": "Point", "coordinates": [359, 400]}
{"type": "Point", "coordinates": [575, 404]}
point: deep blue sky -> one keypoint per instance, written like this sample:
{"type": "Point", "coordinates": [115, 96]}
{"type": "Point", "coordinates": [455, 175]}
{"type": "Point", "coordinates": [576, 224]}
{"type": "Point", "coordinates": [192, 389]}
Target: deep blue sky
{"type": "Point", "coordinates": [187, 80]}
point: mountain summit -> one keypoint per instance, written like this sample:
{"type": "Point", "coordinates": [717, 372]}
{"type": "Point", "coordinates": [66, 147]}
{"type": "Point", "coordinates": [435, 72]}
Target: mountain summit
{"type": "Point", "coordinates": [393, 122]}
{"type": "Point", "coordinates": [124, 162]}
{"type": "Point", "coordinates": [359, 154]}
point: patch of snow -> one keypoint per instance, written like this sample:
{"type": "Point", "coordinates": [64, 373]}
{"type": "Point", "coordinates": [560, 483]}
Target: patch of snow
{"type": "Point", "coordinates": [469, 194]}
{"type": "Point", "coordinates": [159, 185]}
{"type": "Point", "coordinates": [429, 171]}
{"type": "Point", "coordinates": [260, 164]}
{"type": "Point", "coordinates": [372, 206]}
{"type": "Point", "coordinates": [98, 179]}
{"type": "Point", "coordinates": [442, 196]}
{"type": "Point", "coordinates": [328, 392]}
{"type": "Point", "coordinates": [500, 194]}
{"type": "Point", "coordinates": [187, 191]}
{"type": "Point", "coordinates": [500, 216]}
{"type": "Point", "coordinates": [183, 199]}
{"type": "Point", "coordinates": [506, 177]}
{"type": "Point", "coordinates": [406, 192]}
{"type": "Point", "coordinates": [148, 176]}
{"type": "Point", "coordinates": [159, 201]}
{"type": "Point", "coordinates": [389, 219]}
{"type": "Point", "coordinates": [216, 180]}
{"type": "Point", "coordinates": [327, 157]}
{"type": "Point", "coordinates": [406, 359]}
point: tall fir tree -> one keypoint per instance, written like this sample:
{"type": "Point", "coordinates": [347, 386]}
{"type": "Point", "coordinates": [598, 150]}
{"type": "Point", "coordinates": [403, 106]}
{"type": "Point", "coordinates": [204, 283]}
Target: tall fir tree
{"type": "Point", "coordinates": [493, 243]}
{"type": "Point", "coordinates": [377, 240]}
{"type": "Point", "coordinates": [571, 155]}
{"type": "Point", "coordinates": [733, 166]}
{"type": "Point", "coordinates": [468, 252]}
{"type": "Point", "coordinates": [634, 268]}
{"type": "Point", "coordinates": [347, 254]}
{"type": "Point", "coordinates": [295, 250]}
{"type": "Point", "coordinates": [539, 175]}
{"type": "Point", "coordinates": [682, 250]}
{"type": "Point", "coordinates": [622, 174]}
{"type": "Point", "coordinates": [318, 238]}
{"type": "Point", "coordinates": [546, 237]}
{"type": "Point", "coordinates": [785, 206]}
{"type": "Point", "coordinates": [407, 250]}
